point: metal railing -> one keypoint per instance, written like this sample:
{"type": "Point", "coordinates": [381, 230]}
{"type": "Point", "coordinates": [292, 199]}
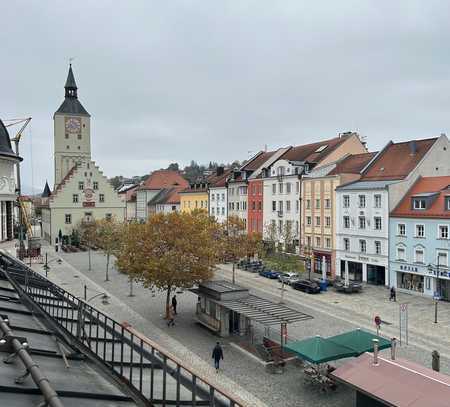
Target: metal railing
{"type": "Point", "coordinates": [152, 374]}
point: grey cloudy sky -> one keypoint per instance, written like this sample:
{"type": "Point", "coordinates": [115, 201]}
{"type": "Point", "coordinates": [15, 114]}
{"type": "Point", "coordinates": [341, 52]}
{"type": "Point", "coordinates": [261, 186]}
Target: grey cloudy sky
{"type": "Point", "coordinates": [212, 80]}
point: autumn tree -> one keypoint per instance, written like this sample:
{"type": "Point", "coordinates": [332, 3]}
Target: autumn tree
{"type": "Point", "coordinates": [107, 237]}
{"type": "Point", "coordinates": [88, 235]}
{"type": "Point", "coordinates": [131, 242]}
{"type": "Point", "coordinates": [271, 235]}
{"type": "Point", "coordinates": [170, 251]}
{"type": "Point", "coordinates": [235, 243]}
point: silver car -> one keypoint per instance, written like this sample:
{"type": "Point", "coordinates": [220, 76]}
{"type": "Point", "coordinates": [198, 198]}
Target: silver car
{"type": "Point", "coordinates": [289, 278]}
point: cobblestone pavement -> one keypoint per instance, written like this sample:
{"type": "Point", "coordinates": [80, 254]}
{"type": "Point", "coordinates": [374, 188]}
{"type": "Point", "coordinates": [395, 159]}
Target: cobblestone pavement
{"type": "Point", "coordinates": [333, 313]}
{"type": "Point", "coordinates": [145, 312]}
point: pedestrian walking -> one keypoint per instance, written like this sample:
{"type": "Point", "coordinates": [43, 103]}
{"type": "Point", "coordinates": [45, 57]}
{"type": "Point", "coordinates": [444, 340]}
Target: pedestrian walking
{"type": "Point", "coordinates": [392, 294]}
{"type": "Point", "coordinates": [174, 304]}
{"type": "Point", "coordinates": [171, 317]}
{"type": "Point", "coordinates": [217, 354]}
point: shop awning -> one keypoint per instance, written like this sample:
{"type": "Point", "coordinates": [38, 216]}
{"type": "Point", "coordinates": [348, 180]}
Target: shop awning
{"type": "Point", "coordinates": [319, 350]}
{"type": "Point", "coordinates": [360, 341]}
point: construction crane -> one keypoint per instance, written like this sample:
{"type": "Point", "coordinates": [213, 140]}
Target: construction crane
{"type": "Point", "coordinates": [23, 218]}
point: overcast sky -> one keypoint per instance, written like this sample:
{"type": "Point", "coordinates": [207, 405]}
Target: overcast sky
{"type": "Point", "coordinates": [215, 80]}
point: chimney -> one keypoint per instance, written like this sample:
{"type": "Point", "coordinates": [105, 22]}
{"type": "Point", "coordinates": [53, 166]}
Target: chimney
{"type": "Point", "coordinates": [413, 147]}
{"type": "Point", "coordinates": [393, 347]}
{"type": "Point", "coordinates": [219, 171]}
{"type": "Point", "coordinates": [375, 352]}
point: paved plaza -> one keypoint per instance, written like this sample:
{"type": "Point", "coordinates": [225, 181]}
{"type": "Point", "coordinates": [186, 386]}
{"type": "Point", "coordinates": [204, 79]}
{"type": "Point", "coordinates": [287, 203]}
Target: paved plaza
{"type": "Point", "coordinates": [333, 313]}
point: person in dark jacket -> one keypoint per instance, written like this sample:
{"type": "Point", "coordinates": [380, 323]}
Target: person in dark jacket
{"type": "Point", "coordinates": [393, 294]}
{"type": "Point", "coordinates": [217, 354]}
{"type": "Point", "coordinates": [174, 304]}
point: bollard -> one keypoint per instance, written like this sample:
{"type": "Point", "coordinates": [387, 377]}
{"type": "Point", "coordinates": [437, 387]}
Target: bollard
{"type": "Point", "coordinates": [435, 361]}
{"type": "Point", "coordinates": [375, 351]}
{"type": "Point", "coordinates": [393, 346]}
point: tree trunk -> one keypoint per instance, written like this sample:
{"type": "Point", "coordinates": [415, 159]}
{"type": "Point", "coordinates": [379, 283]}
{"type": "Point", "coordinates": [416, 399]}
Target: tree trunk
{"type": "Point", "coordinates": [131, 288]}
{"type": "Point", "coordinates": [107, 267]}
{"type": "Point", "coordinates": [89, 254]}
{"type": "Point", "coordinates": [234, 272]}
{"type": "Point", "coordinates": [168, 302]}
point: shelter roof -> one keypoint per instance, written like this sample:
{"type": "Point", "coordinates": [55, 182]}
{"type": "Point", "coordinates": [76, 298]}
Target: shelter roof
{"type": "Point", "coordinates": [426, 187]}
{"type": "Point", "coordinates": [396, 382]}
{"type": "Point", "coordinates": [264, 311]}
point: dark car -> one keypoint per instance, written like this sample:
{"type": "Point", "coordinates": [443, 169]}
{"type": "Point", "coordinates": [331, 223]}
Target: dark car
{"type": "Point", "coordinates": [269, 274]}
{"type": "Point", "coordinates": [310, 287]}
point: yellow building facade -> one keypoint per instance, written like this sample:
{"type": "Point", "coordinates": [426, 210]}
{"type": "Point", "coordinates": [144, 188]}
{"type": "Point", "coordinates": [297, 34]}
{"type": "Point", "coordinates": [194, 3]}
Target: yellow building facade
{"type": "Point", "coordinates": [194, 197]}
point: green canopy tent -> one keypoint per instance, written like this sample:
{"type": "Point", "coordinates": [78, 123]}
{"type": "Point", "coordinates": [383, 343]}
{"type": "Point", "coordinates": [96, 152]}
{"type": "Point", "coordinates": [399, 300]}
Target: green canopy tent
{"type": "Point", "coordinates": [319, 350]}
{"type": "Point", "coordinates": [360, 341]}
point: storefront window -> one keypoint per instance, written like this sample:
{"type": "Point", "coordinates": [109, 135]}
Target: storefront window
{"type": "Point", "coordinates": [411, 282]}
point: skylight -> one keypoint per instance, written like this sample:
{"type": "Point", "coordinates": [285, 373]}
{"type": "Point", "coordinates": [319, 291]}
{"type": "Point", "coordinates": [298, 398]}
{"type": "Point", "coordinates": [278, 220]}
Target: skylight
{"type": "Point", "coordinates": [321, 148]}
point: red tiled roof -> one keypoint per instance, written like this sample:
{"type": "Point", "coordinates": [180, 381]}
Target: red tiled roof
{"type": "Point", "coordinates": [438, 185]}
{"type": "Point", "coordinates": [352, 164]}
{"type": "Point", "coordinates": [258, 160]}
{"type": "Point", "coordinates": [397, 382]}
{"type": "Point", "coordinates": [217, 181]}
{"type": "Point", "coordinates": [164, 179]}
{"type": "Point", "coordinates": [63, 181]}
{"type": "Point", "coordinates": [397, 160]}
{"type": "Point", "coordinates": [308, 152]}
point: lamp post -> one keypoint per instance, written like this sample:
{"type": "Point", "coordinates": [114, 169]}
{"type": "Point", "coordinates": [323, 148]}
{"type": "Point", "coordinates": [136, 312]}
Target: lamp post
{"type": "Point", "coordinates": [437, 294]}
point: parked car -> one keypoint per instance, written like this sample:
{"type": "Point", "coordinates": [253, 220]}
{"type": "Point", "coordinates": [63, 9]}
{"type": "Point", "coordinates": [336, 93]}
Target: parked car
{"type": "Point", "coordinates": [269, 274]}
{"type": "Point", "coordinates": [310, 287]}
{"type": "Point", "coordinates": [288, 278]}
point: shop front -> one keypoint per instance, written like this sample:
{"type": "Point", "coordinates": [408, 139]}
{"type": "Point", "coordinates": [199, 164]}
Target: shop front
{"type": "Point", "coordinates": [412, 278]}
{"type": "Point", "coordinates": [321, 259]}
{"type": "Point", "coordinates": [368, 269]}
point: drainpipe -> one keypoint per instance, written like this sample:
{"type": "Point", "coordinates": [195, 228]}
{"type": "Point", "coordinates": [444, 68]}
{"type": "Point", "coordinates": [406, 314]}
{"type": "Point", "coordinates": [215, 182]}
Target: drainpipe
{"type": "Point", "coordinates": [51, 397]}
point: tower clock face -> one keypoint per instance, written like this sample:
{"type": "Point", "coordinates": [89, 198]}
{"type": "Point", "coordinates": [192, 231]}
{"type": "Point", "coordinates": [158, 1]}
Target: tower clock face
{"type": "Point", "coordinates": [73, 125]}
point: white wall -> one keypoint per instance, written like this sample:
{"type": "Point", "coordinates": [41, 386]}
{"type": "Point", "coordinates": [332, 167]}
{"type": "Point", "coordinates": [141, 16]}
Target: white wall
{"type": "Point", "coordinates": [217, 201]}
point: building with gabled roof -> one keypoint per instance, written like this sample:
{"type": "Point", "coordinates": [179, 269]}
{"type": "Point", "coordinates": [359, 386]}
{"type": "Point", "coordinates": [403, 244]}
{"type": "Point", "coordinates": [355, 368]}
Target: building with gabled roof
{"type": "Point", "coordinates": [318, 210]}
{"type": "Point", "coordinates": [218, 194]}
{"type": "Point", "coordinates": [238, 184]}
{"type": "Point", "coordinates": [156, 181]}
{"type": "Point", "coordinates": [282, 183]}
{"type": "Point", "coordinates": [363, 206]}
{"type": "Point", "coordinates": [419, 249]}
{"type": "Point", "coordinates": [81, 192]}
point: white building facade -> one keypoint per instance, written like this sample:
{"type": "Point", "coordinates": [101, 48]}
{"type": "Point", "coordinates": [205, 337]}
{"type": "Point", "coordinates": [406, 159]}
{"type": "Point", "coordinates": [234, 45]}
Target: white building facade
{"type": "Point", "coordinates": [362, 231]}
{"type": "Point", "coordinates": [218, 203]}
{"type": "Point", "coordinates": [8, 196]}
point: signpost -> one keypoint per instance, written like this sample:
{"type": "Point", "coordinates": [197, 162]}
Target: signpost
{"type": "Point", "coordinates": [436, 298]}
{"type": "Point", "coordinates": [403, 322]}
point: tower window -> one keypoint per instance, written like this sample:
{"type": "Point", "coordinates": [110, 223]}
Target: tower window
{"type": "Point", "coordinates": [81, 185]}
{"type": "Point", "coordinates": [79, 137]}
{"type": "Point", "coordinates": [84, 125]}
{"type": "Point", "coordinates": [67, 147]}
{"type": "Point", "coordinates": [102, 197]}
{"type": "Point", "coordinates": [67, 136]}
{"type": "Point", "coordinates": [95, 185]}
{"type": "Point", "coordinates": [79, 147]}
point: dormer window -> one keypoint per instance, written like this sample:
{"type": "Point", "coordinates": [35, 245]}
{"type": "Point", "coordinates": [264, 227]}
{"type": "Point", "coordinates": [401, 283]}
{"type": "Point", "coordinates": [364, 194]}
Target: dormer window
{"type": "Point", "coordinates": [419, 203]}
{"type": "Point", "coordinates": [321, 148]}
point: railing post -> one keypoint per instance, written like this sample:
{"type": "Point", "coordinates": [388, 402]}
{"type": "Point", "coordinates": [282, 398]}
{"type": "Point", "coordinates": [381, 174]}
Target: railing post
{"type": "Point", "coordinates": [80, 320]}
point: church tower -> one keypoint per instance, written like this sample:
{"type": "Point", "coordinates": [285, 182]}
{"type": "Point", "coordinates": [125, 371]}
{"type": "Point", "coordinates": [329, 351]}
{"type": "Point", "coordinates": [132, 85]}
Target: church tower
{"type": "Point", "coordinates": [72, 131]}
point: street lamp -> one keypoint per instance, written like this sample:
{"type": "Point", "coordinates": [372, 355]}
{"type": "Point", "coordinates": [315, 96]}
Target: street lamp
{"type": "Point", "coordinates": [435, 269]}
{"type": "Point", "coordinates": [105, 297]}
{"type": "Point", "coordinates": [46, 265]}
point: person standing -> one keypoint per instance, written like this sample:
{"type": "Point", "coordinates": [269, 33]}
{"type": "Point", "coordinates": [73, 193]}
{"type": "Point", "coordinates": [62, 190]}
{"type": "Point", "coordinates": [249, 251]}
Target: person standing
{"type": "Point", "coordinates": [171, 317]}
{"type": "Point", "coordinates": [392, 294]}
{"type": "Point", "coordinates": [174, 304]}
{"type": "Point", "coordinates": [217, 354]}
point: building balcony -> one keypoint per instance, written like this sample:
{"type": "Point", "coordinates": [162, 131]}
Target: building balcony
{"type": "Point", "coordinates": [280, 214]}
